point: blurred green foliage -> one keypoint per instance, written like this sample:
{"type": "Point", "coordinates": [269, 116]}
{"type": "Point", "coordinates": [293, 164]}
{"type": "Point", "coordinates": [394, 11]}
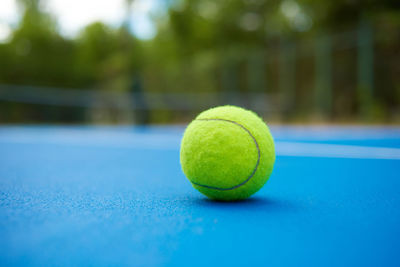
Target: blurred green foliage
{"type": "Point", "coordinates": [239, 46]}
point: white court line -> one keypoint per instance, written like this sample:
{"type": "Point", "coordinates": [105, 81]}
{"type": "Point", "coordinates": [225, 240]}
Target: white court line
{"type": "Point", "coordinates": [296, 149]}
{"type": "Point", "coordinates": [172, 142]}
{"type": "Point", "coordinates": [99, 139]}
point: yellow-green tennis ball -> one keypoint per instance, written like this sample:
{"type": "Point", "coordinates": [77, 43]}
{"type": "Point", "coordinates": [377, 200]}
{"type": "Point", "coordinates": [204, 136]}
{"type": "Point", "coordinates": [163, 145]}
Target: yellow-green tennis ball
{"type": "Point", "coordinates": [227, 153]}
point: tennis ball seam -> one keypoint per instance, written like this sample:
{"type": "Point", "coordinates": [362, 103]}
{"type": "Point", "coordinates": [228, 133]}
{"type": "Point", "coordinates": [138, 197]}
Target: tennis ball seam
{"type": "Point", "coordinates": [255, 168]}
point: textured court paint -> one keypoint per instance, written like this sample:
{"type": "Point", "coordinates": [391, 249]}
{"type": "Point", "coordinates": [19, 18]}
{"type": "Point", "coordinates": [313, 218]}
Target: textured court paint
{"type": "Point", "coordinates": [105, 205]}
{"type": "Point", "coordinates": [227, 153]}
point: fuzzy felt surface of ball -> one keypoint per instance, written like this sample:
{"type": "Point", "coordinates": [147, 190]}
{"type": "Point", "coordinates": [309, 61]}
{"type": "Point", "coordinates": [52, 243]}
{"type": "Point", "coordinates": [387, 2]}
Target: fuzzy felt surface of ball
{"type": "Point", "coordinates": [227, 153]}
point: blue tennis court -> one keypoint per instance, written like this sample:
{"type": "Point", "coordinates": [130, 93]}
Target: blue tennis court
{"type": "Point", "coordinates": [108, 196]}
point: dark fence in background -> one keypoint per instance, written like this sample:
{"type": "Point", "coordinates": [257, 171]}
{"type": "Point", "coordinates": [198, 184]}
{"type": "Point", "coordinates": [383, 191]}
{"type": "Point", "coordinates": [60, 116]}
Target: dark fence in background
{"type": "Point", "coordinates": [127, 107]}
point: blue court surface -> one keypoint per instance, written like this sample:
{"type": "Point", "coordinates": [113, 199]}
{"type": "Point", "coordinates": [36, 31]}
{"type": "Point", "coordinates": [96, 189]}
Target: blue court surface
{"type": "Point", "coordinates": [112, 196]}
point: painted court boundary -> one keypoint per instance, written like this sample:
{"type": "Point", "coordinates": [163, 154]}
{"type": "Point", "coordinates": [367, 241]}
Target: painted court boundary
{"type": "Point", "coordinates": [105, 139]}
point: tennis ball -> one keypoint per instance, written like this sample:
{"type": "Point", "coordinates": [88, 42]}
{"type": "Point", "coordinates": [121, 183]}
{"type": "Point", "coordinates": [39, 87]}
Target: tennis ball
{"type": "Point", "coordinates": [227, 153]}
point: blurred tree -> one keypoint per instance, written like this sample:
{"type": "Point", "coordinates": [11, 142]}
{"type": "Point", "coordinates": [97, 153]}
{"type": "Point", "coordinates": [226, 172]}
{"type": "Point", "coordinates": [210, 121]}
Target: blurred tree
{"type": "Point", "coordinates": [227, 46]}
{"type": "Point", "coordinates": [36, 49]}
